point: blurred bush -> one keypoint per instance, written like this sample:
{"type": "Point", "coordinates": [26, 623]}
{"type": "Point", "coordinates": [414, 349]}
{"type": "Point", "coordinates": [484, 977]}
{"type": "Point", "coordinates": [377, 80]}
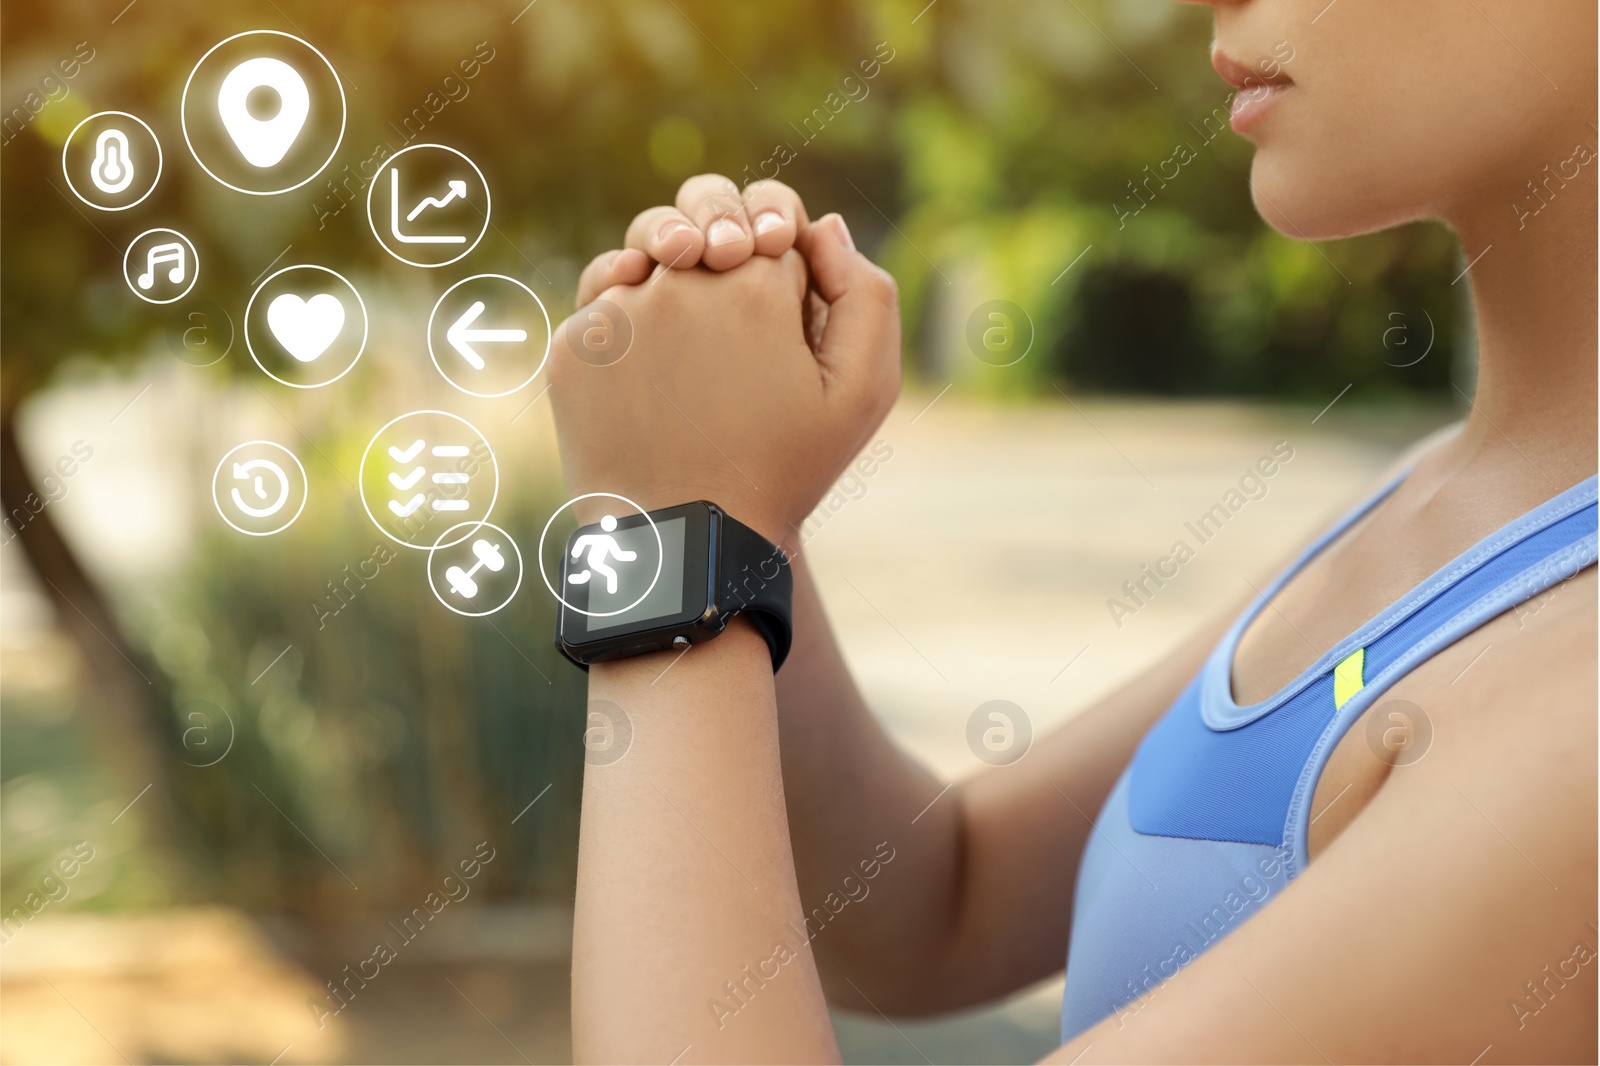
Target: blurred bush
{"type": "Point", "coordinates": [395, 735]}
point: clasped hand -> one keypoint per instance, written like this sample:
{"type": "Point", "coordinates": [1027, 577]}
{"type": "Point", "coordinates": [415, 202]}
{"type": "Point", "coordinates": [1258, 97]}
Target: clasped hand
{"type": "Point", "coordinates": [765, 351]}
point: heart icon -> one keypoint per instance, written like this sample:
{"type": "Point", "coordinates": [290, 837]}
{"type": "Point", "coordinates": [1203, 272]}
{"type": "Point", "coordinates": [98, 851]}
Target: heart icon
{"type": "Point", "coordinates": [305, 328]}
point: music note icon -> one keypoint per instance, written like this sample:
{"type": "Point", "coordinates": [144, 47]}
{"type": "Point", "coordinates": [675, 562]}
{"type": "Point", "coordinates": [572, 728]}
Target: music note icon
{"type": "Point", "coordinates": [160, 266]}
{"type": "Point", "coordinates": [162, 253]}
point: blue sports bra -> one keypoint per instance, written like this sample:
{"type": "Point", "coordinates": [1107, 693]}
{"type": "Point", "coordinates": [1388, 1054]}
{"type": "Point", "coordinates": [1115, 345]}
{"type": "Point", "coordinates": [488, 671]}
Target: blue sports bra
{"type": "Point", "coordinates": [1208, 823]}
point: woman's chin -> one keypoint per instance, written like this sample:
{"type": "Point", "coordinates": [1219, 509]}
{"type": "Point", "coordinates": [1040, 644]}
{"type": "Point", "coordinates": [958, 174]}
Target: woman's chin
{"type": "Point", "coordinates": [1317, 199]}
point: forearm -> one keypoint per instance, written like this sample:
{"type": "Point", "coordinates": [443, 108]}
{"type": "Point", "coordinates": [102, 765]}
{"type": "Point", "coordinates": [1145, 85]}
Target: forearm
{"type": "Point", "coordinates": [853, 795]}
{"type": "Point", "coordinates": [686, 884]}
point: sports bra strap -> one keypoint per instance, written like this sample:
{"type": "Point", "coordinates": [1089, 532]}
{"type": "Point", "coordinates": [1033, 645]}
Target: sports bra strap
{"type": "Point", "coordinates": [1210, 770]}
{"type": "Point", "coordinates": [1524, 543]}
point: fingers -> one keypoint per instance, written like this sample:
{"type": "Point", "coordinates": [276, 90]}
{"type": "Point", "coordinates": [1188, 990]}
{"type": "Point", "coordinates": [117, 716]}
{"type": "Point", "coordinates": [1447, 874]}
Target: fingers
{"type": "Point", "coordinates": [861, 337]}
{"type": "Point", "coordinates": [626, 267]}
{"type": "Point", "coordinates": [814, 319]}
{"type": "Point", "coordinates": [715, 223]}
{"type": "Point", "coordinates": [714, 204]}
{"type": "Point", "coordinates": [777, 216]}
{"type": "Point", "coordinates": [666, 235]}
{"type": "Point", "coordinates": [792, 269]}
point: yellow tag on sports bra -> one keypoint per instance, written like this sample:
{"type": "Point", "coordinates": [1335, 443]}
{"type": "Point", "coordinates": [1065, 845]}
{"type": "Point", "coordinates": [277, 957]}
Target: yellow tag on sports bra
{"type": "Point", "coordinates": [1347, 679]}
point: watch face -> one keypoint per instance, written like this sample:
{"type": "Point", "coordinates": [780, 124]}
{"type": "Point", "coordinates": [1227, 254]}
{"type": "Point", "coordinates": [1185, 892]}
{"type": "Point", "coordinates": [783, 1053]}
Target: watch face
{"type": "Point", "coordinates": [611, 582]}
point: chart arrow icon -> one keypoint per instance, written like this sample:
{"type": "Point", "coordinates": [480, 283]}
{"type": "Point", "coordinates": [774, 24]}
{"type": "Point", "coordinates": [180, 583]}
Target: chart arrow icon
{"type": "Point", "coordinates": [458, 191]}
{"type": "Point", "coordinates": [461, 335]}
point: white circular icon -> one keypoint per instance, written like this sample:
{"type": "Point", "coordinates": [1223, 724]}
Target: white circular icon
{"type": "Point", "coordinates": [608, 525]}
{"type": "Point", "coordinates": [489, 335]}
{"type": "Point", "coordinates": [428, 205]}
{"type": "Point", "coordinates": [160, 266]}
{"type": "Point", "coordinates": [480, 572]}
{"type": "Point", "coordinates": [263, 112]}
{"type": "Point", "coordinates": [118, 154]}
{"type": "Point", "coordinates": [305, 326]}
{"type": "Point", "coordinates": [425, 467]}
{"type": "Point", "coordinates": [256, 487]}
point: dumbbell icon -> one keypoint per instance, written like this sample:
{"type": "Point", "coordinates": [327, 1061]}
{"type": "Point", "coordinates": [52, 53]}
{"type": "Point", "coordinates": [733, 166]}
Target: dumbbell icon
{"type": "Point", "coordinates": [461, 581]}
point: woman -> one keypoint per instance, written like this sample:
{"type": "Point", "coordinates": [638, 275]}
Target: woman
{"type": "Point", "coordinates": [1258, 886]}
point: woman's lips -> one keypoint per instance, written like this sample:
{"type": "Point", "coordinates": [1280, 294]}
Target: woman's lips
{"type": "Point", "coordinates": [1257, 89]}
{"type": "Point", "coordinates": [1251, 103]}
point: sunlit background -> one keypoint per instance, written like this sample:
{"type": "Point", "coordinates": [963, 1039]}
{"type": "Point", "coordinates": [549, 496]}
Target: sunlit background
{"type": "Point", "coordinates": [254, 766]}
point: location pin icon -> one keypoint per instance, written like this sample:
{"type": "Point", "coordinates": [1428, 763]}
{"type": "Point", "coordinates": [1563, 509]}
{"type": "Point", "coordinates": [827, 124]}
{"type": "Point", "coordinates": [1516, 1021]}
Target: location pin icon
{"type": "Point", "coordinates": [263, 142]}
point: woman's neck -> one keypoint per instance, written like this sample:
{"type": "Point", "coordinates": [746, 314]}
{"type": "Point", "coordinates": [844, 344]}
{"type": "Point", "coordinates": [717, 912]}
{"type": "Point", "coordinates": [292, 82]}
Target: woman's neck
{"type": "Point", "coordinates": [1533, 280]}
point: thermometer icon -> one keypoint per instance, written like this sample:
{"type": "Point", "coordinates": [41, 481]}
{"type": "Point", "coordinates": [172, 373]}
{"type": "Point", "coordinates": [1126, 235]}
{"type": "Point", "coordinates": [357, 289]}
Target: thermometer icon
{"type": "Point", "coordinates": [112, 170]}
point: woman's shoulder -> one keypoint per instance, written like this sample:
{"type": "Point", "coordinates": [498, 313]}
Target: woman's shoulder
{"type": "Point", "coordinates": [1549, 643]}
{"type": "Point", "coordinates": [1527, 681]}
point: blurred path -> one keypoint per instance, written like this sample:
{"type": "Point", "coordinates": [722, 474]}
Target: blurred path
{"type": "Point", "coordinates": [977, 562]}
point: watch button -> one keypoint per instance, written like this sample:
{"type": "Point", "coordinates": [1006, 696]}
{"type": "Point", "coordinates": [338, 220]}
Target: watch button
{"type": "Point", "coordinates": [641, 649]}
{"type": "Point", "coordinates": [680, 642]}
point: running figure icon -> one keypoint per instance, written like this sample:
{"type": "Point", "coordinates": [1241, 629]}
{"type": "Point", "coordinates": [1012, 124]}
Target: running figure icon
{"type": "Point", "coordinates": [600, 546]}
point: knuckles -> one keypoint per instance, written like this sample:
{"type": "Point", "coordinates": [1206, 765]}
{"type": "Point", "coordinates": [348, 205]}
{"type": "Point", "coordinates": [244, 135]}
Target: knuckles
{"type": "Point", "coordinates": [881, 286]}
{"type": "Point", "coordinates": [759, 287]}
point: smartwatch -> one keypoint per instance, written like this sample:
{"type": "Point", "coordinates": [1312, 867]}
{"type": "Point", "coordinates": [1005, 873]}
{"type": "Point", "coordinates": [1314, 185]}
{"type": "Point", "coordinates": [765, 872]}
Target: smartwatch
{"type": "Point", "coordinates": [669, 579]}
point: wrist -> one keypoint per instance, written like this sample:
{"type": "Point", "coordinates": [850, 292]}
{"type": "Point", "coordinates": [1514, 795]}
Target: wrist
{"type": "Point", "coordinates": [739, 650]}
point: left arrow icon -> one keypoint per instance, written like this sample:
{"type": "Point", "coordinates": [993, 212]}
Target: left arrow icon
{"type": "Point", "coordinates": [461, 335]}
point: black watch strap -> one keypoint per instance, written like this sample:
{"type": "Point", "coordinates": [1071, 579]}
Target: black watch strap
{"type": "Point", "coordinates": [755, 581]}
